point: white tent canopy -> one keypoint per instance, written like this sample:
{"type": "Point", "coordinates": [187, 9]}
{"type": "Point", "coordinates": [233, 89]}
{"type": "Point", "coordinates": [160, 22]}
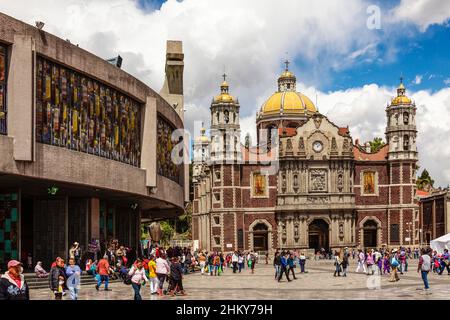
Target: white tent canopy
{"type": "Point", "coordinates": [441, 243]}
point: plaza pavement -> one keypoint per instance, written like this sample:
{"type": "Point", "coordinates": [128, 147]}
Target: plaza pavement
{"type": "Point", "coordinates": [318, 283]}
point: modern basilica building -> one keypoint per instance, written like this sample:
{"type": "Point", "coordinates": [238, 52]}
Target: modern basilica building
{"type": "Point", "coordinates": [85, 148]}
{"type": "Point", "coordinates": [325, 192]}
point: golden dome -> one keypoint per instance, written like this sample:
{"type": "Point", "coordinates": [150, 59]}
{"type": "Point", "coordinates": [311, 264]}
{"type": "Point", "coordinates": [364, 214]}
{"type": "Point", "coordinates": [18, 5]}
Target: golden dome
{"type": "Point", "coordinates": [401, 100]}
{"type": "Point", "coordinates": [203, 137]}
{"type": "Point", "coordinates": [287, 74]}
{"type": "Point", "coordinates": [224, 96]}
{"type": "Point", "coordinates": [288, 102]}
{"type": "Point", "coordinates": [401, 97]}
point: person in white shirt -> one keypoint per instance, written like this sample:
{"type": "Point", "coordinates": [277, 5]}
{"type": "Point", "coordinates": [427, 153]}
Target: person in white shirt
{"type": "Point", "coordinates": [234, 261]}
{"type": "Point", "coordinates": [138, 276]}
{"type": "Point", "coordinates": [361, 260]}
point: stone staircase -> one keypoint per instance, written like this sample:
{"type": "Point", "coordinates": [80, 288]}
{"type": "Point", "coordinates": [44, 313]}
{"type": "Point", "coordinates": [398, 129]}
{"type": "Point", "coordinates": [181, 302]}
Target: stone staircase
{"type": "Point", "coordinates": [43, 283]}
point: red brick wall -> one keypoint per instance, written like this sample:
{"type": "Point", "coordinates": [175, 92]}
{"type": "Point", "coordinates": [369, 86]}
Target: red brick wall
{"type": "Point", "coordinates": [395, 171]}
{"type": "Point", "coordinates": [227, 175]}
{"type": "Point", "coordinates": [395, 195]}
{"type": "Point", "coordinates": [407, 173]}
{"type": "Point", "coordinates": [228, 230]}
{"type": "Point", "coordinates": [248, 202]}
{"type": "Point", "coordinates": [383, 191]}
{"type": "Point", "coordinates": [407, 198]}
{"type": "Point", "coordinates": [215, 231]}
{"type": "Point", "coordinates": [228, 198]}
{"type": "Point", "coordinates": [248, 220]}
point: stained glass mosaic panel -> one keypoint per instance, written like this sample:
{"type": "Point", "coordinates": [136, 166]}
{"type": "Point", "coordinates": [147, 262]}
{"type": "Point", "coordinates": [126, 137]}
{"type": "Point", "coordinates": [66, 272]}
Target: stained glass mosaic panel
{"type": "Point", "coordinates": [166, 167]}
{"type": "Point", "coordinates": [80, 113]}
{"type": "Point", "coordinates": [8, 227]}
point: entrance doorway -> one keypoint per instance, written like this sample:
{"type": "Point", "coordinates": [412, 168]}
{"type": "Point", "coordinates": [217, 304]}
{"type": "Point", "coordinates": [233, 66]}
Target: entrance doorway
{"type": "Point", "coordinates": [318, 232]}
{"type": "Point", "coordinates": [260, 237]}
{"type": "Point", "coordinates": [370, 234]}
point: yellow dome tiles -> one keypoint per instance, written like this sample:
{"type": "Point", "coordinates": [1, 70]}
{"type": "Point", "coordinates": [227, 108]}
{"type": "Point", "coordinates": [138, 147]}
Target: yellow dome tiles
{"type": "Point", "coordinates": [401, 100]}
{"type": "Point", "coordinates": [288, 102]}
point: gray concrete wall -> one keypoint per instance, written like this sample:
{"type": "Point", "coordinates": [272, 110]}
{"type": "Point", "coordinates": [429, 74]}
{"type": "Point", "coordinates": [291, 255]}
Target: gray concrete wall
{"type": "Point", "coordinates": [20, 98]}
{"type": "Point", "coordinates": [61, 164]}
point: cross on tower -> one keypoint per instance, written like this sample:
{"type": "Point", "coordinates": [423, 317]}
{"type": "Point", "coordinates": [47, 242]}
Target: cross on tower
{"type": "Point", "coordinates": [287, 64]}
{"type": "Point", "coordinates": [401, 78]}
{"type": "Point", "coordinates": [224, 77]}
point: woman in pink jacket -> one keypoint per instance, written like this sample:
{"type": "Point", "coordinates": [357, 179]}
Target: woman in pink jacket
{"type": "Point", "coordinates": [162, 270]}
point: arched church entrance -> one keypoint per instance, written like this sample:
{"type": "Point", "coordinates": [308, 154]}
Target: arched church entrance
{"type": "Point", "coordinates": [318, 234]}
{"type": "Point", "coordinates": [370, 229]}
{"type": "Point", "coordinates": [260, 237]}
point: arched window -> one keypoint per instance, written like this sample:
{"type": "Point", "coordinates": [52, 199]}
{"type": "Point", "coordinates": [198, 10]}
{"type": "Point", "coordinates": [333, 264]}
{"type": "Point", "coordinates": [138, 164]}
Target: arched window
{"type": "Point", "coordinates": [405, 118]}
{"type": "Point", "coordinates": [406, 143]}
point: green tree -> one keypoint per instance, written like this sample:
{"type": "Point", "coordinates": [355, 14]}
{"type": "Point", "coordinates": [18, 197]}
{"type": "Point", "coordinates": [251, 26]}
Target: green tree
{"type": "Point", "coordinates": [376, 144]}
{"type": "Point", "coordinates": [424, 181]}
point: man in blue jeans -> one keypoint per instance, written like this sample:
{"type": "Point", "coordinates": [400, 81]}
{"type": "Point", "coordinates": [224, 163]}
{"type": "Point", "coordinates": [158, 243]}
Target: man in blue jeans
{"type": "Point", "coordinates": [424, 267]}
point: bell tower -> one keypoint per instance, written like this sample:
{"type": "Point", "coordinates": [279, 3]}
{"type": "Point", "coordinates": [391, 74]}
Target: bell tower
{"type": "Point", "coordinates": [401, 131]}
{"type": "Point", "coordinates": [225, 127]}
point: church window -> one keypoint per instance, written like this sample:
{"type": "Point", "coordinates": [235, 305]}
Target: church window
{"type": "Point", "coordinates": [369, 182]}
{"type": "Point", "coordinates": [217, 196]}
{"type": "Point", "coordinates": [217, 240]}
{"type": "Point", "coordinates": [405, 118]}
{"type": "Point", "coordinates": [395, 233]}
{"type": "Point", "coordinates": [216, 220]}
{"type": "Point", "coordinates": [226, 115]}
{"type": "Point", "coordinates": [3, 76]}
{"type": "Point", "coordinates": [217, 174]}
{"type": "Point", "coordinates": [296, 231]}
{"type": "Point", "coordinates": [79, 113]}
{"type": "Point", "coordinates": [406, 143]}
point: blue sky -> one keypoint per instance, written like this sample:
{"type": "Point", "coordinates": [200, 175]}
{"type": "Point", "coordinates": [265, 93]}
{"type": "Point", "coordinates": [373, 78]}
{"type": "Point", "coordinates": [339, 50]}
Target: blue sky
{"type": "Point", "coordinates": [353, 70]}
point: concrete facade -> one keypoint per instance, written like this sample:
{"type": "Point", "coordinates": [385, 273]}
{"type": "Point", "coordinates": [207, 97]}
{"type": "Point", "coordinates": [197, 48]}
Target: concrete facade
{"type": "Point", "coordinates": [29, 168]}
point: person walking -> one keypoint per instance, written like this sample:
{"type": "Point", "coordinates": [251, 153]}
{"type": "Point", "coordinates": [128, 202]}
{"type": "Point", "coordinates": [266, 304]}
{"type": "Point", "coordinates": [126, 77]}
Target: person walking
{"type": "Point", "coordinates": [73, 273]}
{"type": "Point", "coordinates": [394, 263]}
{"type": "Point", "coordinates": [337, 264]}
{"type": "Point", "coordinates": [370, 262]}
{"type": "Point", "coordinates": [234, 261]}
{"type": "Point", "coordinates": [202, 262]}
{"type": "Point", "coordinates": [103, 273]}
{"type": "Point", "coordinates": [216, 264]}
{"type": "Point", "coordinates": [58, 278]}
{"type": "Point", "coordinates": [138, 277]}
{"type": "Point", "coordinates": [152, 275]}
{"type": "Point", "coordinates": [386, 264]}
{"type": "Point", "coordinates": [445, 262]}
{"type": "Point", "coordinates": [284, 268]}
{"type": "Point", "coordinates": [13, 285]}
{"type": "Point", "coordinates": [291, 266]}
{"type": "Point", "coordinates": [345, 264]}
{"type": "Point", "coordinates": [162, 270]}
{"type": "Point", "coordinates": [361, 260]}
{"type": "Point", "coordinates": [424, 268]}
{"type": "Point", "coordinates": [277, 264]}
{"type": "Point", "coordinates": [176, 276]}
{"type": "Point", "coordinates": [241, 262]}
{"type": "Point", "coordinates": [302, 262]}
{"type": "Point", "coordinates": [252, 262]}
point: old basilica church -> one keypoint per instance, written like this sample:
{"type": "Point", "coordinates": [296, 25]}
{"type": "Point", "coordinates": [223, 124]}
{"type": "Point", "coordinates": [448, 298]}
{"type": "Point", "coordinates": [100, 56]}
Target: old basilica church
{"type": "Point", "coordinates": [325, 191]}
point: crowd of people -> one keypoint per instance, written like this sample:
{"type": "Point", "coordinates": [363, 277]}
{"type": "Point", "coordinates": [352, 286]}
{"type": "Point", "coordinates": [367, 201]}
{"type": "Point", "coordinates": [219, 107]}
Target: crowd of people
{"type": "Point", "coordinates": [164, 269]}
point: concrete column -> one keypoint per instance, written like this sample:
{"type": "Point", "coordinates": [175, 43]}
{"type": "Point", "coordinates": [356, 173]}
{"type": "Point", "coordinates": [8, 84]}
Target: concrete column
{"type": "Point", "coordinates": [95, 218]}
{"type": "Point", "coordinates": [149, 141]}
{"type": "Point", "coordinates": [20, 98]}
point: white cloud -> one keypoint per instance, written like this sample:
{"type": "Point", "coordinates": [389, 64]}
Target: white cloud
{"type": "Point", "coordinates": [418, 79]}
{"type": "Point", "coordinates": [447, 81]}
{"type": "Point", "coordinates": [423, 13]}
{"type": "Point", "coordinates": [250, 39]}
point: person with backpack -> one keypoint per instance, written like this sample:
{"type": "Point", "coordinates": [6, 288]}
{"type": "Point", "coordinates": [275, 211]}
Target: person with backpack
{"type": "Point", "coordinates": [424, 268]}
{"type": "Point", "coordinates": [138, 278]}
{"type": "Point", "coordinates": [176, 276]}
{"type": "Point", "coordinates": [58, 279]}
{"type": "Point", "coordinates": [445, 262]}
{"type": "Point", "coordinates": [394, 264]}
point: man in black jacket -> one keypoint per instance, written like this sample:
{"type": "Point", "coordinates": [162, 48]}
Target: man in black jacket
{"type": "Point", "coordinates": [13, 285]}
{"type": "Point", "coordinates": [176, 276]}
{"type": "Point", "coordinates": [57, 275]}
{"type": "Point", "coordinates": [277, 264]}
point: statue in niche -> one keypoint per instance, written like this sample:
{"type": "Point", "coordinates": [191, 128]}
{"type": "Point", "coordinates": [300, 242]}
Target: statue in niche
{"type": "Point", "coordinates": [301, 144]}
{"type": "Point", "coordinates": [289, 145]}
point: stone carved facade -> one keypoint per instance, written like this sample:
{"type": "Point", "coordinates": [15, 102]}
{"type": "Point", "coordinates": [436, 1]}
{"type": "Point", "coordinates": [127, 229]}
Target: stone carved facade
{"type": "Point", "coordinates": [317, 197]}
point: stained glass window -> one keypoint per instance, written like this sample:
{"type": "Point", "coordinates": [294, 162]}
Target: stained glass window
{"type": "Point", "coordinates": [3, 110]}
{"type": "Point", "coordinates": [166, 167]}
{"type": "Point", "coordinates": [79, 113]}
